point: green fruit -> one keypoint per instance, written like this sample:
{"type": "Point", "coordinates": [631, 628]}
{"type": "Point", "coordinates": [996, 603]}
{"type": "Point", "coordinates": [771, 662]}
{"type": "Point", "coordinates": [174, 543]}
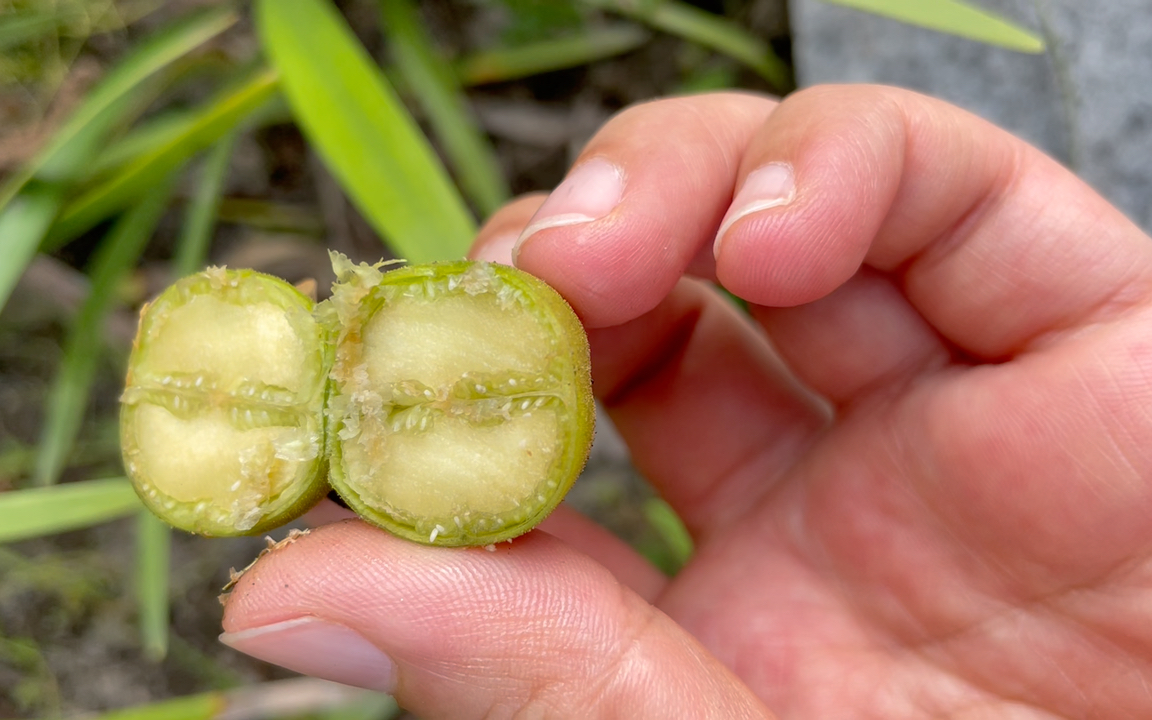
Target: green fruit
{"type": "Point", "coordinates": [451, 401]}
{"type": "Point", "coordinates": [460, 407]}
{"type": "Point", "coordinates": [222, 418]}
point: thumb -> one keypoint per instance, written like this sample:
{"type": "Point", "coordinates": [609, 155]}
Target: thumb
{"type": "Point", "coordinates": [531, 629]}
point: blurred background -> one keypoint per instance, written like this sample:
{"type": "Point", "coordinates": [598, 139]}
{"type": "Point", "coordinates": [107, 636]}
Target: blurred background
{"type": "Point", "coordinates": [141, 140]}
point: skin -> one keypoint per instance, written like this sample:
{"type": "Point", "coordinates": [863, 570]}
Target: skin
{"type": "Point", "coordinates": [932, 498]}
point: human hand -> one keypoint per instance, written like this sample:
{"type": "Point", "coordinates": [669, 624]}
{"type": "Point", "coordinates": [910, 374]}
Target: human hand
{"type": "Point", "coordinates": [938, 505]}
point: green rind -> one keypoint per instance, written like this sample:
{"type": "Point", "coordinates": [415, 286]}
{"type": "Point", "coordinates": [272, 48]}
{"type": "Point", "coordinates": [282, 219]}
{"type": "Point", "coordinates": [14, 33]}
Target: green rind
{"type": "Point", "coordinates": [550, 305]}
{"type": "Point", "coordinates": [310, 485]}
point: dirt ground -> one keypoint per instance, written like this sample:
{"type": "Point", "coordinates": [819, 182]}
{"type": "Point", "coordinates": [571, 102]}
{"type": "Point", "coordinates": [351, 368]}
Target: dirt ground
{"type": "Point", "coordinates": [68, 642]}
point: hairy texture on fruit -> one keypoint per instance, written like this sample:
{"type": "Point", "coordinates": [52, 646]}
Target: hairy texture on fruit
{"type": "Point", "coordinates": [222, 416]}
{"type": "Point", "coordinates": [460, 408]}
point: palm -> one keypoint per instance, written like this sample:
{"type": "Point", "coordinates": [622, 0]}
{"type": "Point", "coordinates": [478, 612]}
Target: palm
{"type": "Point", "coordinates": [972, 541]}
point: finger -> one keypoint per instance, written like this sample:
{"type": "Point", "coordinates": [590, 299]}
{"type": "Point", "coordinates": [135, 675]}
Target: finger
{"type": "Point", "coordinates": [567, 524]}
{"type": "Point", "coordinates": [711, 415]}
{"type": "Point", "coordinates": [971, 220]}
{"type": "Point", "coordinates": [531, 629]}
{"type": "Point", "coordinates": [326, 512]}
{"type": "Point", "coordinates": [643, 200]}
{"type": "Point", "coordinates": [626, 565]}
{"type": "Point", "coordinates": [496, 238]}
{"type": "Point", "coordinates": [864, 337]}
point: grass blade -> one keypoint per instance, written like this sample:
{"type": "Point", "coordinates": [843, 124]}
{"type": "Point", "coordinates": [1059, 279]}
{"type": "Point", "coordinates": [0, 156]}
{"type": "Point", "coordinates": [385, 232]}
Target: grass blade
{"type": "Point", "coordinates": [362, 131]}
{"type": "Point", "coordinates": [19, 28]}
{"type": "Point", "coordinates": [36, 512]}
{"type": "Point", "coordinates": [433, 82]}
{"type": "Point", "coordinates": [207, 126]}
{"type": "Point", "coordinates": [297, 697]}
{"type": "Point", "coordinates": [503, 64]}
{"type": "Point", "coordinates": [141, 140]}
{"type": "Point", "coordinates": [60, 154]}
{"type": "Point", "coordinates": [196, 234]}
{"type": "Point", "coordinates": [955, 18]}
{"type": "Point", "coordinates": [73, 146]}
{"type": "Point", "coordinates": [712, 31]}
{"type": "Point", "coordinates": [153, 543]}
{"type": "Point", "coordinates": [68, 397]}
{"type": "Point", "coordinates": [671, 530]}
{"type": "Point", "coordinates": [205, 706]}
{"type": "Point", "coordinates": [163, 129]}
{"type": "Point", "coordinates": [39, 202]}
{"type": "Point", "coordinates": [23, 225]}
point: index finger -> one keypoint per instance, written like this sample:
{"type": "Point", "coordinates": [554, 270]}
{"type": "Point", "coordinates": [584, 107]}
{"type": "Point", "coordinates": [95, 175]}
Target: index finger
{"type": "Point", "coordinates": [967, 218]}
{"type": "Point", "coordinates": [993, 243]}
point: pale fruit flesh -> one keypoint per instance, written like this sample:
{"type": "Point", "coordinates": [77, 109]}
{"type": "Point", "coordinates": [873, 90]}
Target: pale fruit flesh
{"type": "Point", "coordinates": [221, 423]}
{"type": "Point", "coordinates": [460, 402]}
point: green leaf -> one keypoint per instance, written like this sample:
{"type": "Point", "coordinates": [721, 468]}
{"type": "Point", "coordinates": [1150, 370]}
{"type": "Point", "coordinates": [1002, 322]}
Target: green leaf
{"type": "Point", "coordinates": [163, 129]}
{"type": "Point", "coordinates": [207, 126]}
{"type": "Point", "coordinates": [531, 20]}
{"type": "Point", "coordinates": [68, 396]}
{"type": "Point", "coordinates": [362, 131]}
{"type": "Point", "coordinates": [296, 697]}
{"type": "Point", "coordinates": [503, 64]}
{"type": "Point", "coordinates": [671, 530]}
{"type": "Point", "coordinates": [953, 17]}
{"type": "Point", "coordinates": [18, 28]}
{"type": "Point", "coordinates": [434, 84]}
{"type": "Point", "coordinates": [153, 543]}
{"type": "Point", "coordinates": [196, 233]}
{"type": "Point", "coordinates": [28, 216]}
{"type": "Point", "coordinates": [139, 141]}
{"type": "Point", "coordinates": [44, 511]}
{"type": "Point", "coordinates": [712, 31]}
{"type": "Point", "coordinates": [70, 152]}
{"type": "Point", "coordinates": [23, 225]}
{"type": "Point", "coordinates": [205, 706]}
{"type": "Point", "coordinates": [149, 58]}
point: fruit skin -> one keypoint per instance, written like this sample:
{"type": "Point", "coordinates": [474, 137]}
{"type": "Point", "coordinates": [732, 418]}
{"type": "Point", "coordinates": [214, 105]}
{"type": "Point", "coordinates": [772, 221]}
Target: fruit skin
{"type": "Point", "coordinates": [356, 296]}
{"type": "Point", "coordinates": [310, 485]}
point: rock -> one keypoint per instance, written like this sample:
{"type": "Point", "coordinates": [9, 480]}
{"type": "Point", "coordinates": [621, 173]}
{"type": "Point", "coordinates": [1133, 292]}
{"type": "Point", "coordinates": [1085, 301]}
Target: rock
{"type": "Point", "coordinates": [1086, 101]}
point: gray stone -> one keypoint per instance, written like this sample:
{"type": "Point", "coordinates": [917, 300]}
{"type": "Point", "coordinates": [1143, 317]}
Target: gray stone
{"type": "Point", "coordinates": [1087, 101]}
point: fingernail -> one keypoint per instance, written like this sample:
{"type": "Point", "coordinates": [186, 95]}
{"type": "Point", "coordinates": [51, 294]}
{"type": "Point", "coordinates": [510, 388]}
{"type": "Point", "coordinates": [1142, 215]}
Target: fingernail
{"type": "Point", "coordinates": [592, 190]}
{"type": "Point", "coordinates": [765, 187]}
{"type": "Point", "coordinates": [311, 646]}
{"type": "Point", "coordinates": [498, 249]}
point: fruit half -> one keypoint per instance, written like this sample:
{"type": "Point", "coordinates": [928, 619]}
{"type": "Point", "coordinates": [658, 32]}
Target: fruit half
{"type": "Point", "coordinates": [460, 408]}
{"type": "Point", "coordinates": [222, 418]}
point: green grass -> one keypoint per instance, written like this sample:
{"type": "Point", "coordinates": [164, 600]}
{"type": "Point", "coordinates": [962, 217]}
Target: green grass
{"type": "Point", "coordinates": [368, 140]}
{"type": "Point", "coordinates": [72, 148]}
{"type": "Point", "coordinates": [69, 396]}
{"type": "Point", "coordinates": [44, 511]}
{"type": "Point", "coordinates": [432, 81]}
{"type": "Point", "coordinates": [955, 18]}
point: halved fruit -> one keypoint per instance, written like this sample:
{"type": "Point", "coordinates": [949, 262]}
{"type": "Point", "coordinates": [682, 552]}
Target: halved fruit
{"type": "Point", "coordinates": [460, 409]}
{"type": "Point", "coordinates": [222, 418]}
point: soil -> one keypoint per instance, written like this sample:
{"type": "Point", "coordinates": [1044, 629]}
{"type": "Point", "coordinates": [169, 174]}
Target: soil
{"type": "Point", "coordinates": [68, 639]}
